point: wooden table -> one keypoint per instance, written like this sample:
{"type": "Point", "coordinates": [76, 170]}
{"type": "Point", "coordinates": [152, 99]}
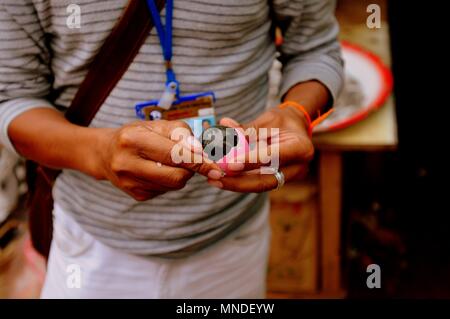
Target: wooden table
{"type": "Point", "coordinates": [378, 132]}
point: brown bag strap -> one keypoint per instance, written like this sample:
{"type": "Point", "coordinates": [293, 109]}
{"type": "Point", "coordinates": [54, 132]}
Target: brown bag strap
{"type": "Point", "coordinates": [112, 61]}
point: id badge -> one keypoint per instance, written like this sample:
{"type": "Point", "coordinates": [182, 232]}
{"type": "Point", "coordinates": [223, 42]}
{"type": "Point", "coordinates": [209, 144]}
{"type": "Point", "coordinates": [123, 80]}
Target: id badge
{"type": "Point", "coordinates": [197, 110]}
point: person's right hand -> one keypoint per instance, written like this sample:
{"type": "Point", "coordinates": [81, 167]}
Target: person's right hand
{"type": "Point", "coordinates": [137, 158]}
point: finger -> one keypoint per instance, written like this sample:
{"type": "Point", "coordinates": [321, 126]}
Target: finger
{"type": "Point", "coordinates": [178, 132]}
{"type": "Point", "coordinates": [194, 161]}
{"type": "Point", "coordinates": [258, 137]}
{"type": "Point", "coordinates": [181, 133]}
{"type": "Point", "coordinates": [250, 182]}
{"type": "Point", "coordinates": [227, 121]}
{"type": "Point", "coordinates": [151, 174]}
{"type": "Point", "coordinates": [165, 128]}
{"type": "Point", "coordinates": [258, 155]}
{"type": "Point", "coordinates": [193, 144]}
{"type": "Point", "coordinates": [277, 150]}
{"type": "Point", "coordinates": [155, 144]}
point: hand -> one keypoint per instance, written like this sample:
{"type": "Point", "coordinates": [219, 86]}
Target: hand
{"type": "Point", "coordinates": [137, 158]}
{"type": "Point", "coordinates": [293, 144]}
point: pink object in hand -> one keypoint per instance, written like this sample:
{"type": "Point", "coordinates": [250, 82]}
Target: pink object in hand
{"type": "Point", "coordinates": [241, 148]}
{"type": "Point", "coordinates": [217, 141]}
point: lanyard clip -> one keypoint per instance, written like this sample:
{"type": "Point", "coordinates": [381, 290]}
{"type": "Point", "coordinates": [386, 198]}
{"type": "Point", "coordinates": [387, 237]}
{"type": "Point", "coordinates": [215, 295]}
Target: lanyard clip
{"type": "Point", "coordinates": [169, 95]}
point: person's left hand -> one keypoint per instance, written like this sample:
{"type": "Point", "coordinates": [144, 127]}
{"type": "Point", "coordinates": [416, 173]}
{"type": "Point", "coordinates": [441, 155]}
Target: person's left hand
{"type": "Point", "coordinates": [293, 144]}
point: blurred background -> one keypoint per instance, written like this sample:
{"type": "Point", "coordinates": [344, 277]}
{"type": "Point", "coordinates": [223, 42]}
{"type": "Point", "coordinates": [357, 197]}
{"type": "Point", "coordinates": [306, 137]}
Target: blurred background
{"type": "Point", "coordinates": [373, 194]}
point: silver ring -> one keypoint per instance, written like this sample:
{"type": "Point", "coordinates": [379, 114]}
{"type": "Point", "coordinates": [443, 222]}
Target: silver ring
{"type": "Point", "coordinates": [280, 179]}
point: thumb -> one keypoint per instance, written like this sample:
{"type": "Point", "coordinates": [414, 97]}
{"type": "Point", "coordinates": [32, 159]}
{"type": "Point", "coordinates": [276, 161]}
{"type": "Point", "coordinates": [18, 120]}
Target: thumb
{"type": "Point", "coordinates": [227, 121]}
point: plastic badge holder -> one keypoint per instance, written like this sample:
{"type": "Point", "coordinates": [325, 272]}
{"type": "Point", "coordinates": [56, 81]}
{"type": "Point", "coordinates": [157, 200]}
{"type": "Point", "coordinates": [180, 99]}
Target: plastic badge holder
{"type": "Point", "coordinates": [202, 100]}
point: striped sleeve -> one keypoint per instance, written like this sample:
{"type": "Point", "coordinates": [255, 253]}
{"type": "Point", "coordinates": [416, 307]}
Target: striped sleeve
{"type": "Point", "coordinates": [24, 72]}
{"type": "Point", "coordinates": [310, 50]}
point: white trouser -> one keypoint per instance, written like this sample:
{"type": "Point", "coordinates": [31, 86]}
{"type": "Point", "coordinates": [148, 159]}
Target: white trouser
{"type": "Point", "coordinates": [80, 266]}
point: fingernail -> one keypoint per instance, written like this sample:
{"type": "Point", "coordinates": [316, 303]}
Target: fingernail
{"type": "Point", "coordinates": [215, 184]}
{"type": "Point", "coordinates": [215, 174]}
{"type": "Point", "coordinates": [229, 121]}
{"type": "Point", "coordinates": [236, 166]}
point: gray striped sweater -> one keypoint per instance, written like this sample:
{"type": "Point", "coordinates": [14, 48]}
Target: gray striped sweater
{"type": "Point", "coordinates": [219, 45]}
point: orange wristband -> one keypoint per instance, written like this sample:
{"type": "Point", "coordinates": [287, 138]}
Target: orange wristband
{"type": "Point", "coordinates": [301, 108]}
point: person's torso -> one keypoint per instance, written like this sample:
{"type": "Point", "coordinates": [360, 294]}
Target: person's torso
{"type": "Point", "coordinates": [219, 45]}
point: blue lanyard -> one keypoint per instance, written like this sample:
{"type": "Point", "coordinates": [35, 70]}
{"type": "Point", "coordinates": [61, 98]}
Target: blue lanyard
{"type": "Point", "coordinates": [165, 36]}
